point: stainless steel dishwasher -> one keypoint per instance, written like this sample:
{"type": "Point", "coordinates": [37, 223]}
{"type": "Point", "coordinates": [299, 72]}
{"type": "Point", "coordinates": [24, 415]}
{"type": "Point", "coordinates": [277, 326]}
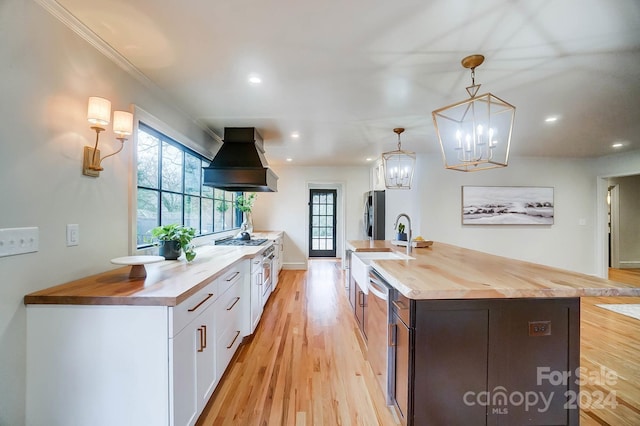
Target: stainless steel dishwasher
{"type": "Point", "coordinates": [378, 318]}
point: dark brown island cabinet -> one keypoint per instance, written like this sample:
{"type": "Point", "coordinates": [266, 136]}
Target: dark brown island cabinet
{"type": "Point", "coordinates": [485, 361]}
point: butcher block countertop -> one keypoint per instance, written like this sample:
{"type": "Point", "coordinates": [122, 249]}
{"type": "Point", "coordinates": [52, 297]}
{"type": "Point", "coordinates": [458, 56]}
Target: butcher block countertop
{"type": "Point", "coordinates": [167, 283]}
{"type": "Point", "coordinates": [444, 271]}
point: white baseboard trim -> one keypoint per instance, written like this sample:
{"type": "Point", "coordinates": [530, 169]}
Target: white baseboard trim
{"type": "Point", "coordinates": [629, 264]}
{"type": "Point", "coordinates": [296, 266]}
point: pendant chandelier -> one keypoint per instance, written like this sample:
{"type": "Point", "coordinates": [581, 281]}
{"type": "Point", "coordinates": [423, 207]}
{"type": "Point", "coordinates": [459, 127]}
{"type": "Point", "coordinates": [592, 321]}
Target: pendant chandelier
{"type": "Point", "coordinates": [475, 134]}
{"type": "Point", "coordinates": [398, 166]}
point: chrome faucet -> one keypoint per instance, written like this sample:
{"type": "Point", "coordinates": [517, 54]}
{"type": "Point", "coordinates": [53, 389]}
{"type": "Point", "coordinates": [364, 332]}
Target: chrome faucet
{"type": "Point", "coordinates": [395, 225]}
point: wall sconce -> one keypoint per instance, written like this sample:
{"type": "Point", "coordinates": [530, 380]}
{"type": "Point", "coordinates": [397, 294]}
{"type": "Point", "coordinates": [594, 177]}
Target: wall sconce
{"type": "Point", "coordinates": [99, 116]}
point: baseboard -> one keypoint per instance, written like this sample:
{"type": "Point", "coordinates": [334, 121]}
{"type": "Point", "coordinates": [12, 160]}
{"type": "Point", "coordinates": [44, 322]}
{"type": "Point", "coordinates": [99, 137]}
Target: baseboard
{"type": "Point", "coordinates": [296, 266]}
{"type": "Point", "coordinates": [629, 264]}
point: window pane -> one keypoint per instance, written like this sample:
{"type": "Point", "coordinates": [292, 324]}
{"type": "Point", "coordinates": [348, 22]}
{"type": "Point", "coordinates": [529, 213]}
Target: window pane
{"type": "Point", "coordinates": [192, 213]}
{"type": "Point", "coordinates": [228, 217]}
{"type": "Point", "coordinates": [207, 216]}
{"type": "Point", "coordinates": [147, 215]}
{"type": "Point", "coordinates": [171, 208]}
{"type": "Point", "coordinates": [207, 191]}
{"type": "Point", "coordinates": [218, 222]}
{"type": "Point", "coordinates": [147, 159]}
{"type": "Point", "coordinates": [192, 167]}
{"type": "Point", "coordinates": [171, 168]}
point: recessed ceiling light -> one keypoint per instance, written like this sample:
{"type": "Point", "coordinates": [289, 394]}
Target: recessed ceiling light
{"type": "Point", "coordinates": [289, 160]}
{"type": "Point", "coordinates": [617, 145]}
{"type": "Point", "coordinates": [368, 159]}
{"type": "Point", "coordinates": [295, 135]}
{"type": "Point", "coordinates": [255, 79]}
{"type": "Point", "coordinates": [551, 119]}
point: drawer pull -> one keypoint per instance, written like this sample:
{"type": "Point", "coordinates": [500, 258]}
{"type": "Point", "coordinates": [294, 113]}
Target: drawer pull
{"type": "Point", "coordinates": [398, 304]}
{"type": "Point", "coordinates": [204, 344]}
{"type": "Point", "coordinates": [233, 276]}
{"type": "Point", "coordinates": [392, 335]}
{"type": "Point", "coordinates": [201, 349]}
{"type": "Point", "coordinates": [234, 340]}
{"type": "Point", "coordinates": [233, 304]}
{"type": "Point", "coordinates": [200, 304]}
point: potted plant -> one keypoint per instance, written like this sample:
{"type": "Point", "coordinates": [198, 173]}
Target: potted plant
{"type": "Point", "coordinates": [244, 203]}
{"type": "Point", "coordinates": [174, 238]}
{"type": "Point", "coordinates": [401, 235]}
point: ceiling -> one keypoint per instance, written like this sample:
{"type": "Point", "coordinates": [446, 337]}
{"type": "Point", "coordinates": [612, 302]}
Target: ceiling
{"type": "Point", "coordinates": [343, 74]}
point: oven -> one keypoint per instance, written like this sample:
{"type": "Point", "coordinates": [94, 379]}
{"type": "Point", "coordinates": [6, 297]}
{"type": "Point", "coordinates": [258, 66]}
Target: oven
{"type": "Point", "coordinates": [268, 257]}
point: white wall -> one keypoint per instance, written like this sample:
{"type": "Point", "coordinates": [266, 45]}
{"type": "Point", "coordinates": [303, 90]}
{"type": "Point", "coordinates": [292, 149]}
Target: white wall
{"type": "Point", "coordinates": [287, 210]}
{"type": "Point", "coordinates": [48, 73]}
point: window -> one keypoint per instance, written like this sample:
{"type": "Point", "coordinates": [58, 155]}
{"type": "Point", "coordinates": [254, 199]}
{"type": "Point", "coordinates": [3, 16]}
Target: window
{"type": "Point", "coordinates": [170, 189]}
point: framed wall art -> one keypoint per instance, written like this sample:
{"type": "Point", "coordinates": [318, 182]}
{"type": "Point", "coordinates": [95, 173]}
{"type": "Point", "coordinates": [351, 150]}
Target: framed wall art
{"type": "Point", "coordinates": [507, 205]}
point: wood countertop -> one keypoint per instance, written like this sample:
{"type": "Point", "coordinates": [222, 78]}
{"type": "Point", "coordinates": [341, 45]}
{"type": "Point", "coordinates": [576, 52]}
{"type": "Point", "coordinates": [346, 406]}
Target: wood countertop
{"type": "Point", "coordinates": [167, 283]}
{"type": "Point", "coordinates": [444, 271]}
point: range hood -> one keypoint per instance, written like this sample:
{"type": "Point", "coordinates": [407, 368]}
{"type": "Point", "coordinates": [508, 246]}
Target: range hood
{"type": "Point", "coordinates": [240, 164]}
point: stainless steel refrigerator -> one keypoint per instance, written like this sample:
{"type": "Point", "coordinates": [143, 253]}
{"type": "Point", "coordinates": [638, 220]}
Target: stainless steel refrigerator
{"type": "Point", "coordinates": [374, 205]}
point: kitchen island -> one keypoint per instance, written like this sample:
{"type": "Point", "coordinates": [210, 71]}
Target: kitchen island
{"type": "Point", "coordinates": [109, 349]}
{"type": "Point", "coordinates": [482, 339]}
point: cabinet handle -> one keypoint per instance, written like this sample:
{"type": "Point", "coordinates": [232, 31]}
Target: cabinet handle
{"type": "Point", "coordinates": [398, 304]}
{"type": "Point", "coordinates": [234, 340]}
{"type": "Point", "coordinates": [392, 335]}
{"type": "Point", "coordinates": [360, 298]}
{"type": "Point", "coordinates": [233, 276]}
{"type": "Point", "coordinates": [260, 280]}
{"type": "Point", "coordinates": [233, 304]}
{"type": "Point", "coordinates": [204, 344]}
{"type": "Point", "coordinates": [201, 339]}
{"type": "Point", "coordinates": [200, 304]}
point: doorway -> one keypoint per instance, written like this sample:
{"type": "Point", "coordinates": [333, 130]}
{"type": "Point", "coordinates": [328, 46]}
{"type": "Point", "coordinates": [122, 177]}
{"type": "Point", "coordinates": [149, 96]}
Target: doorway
{"type": "Point", "coordinates": [322, 222]}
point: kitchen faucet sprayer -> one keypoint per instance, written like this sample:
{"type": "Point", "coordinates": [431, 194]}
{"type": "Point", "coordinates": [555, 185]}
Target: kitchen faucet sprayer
{"type": "Point", "coordinates": [395, 225]}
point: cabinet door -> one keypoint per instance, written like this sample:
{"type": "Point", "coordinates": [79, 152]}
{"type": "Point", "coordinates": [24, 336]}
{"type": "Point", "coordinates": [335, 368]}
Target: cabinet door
{"type": "Point", "coordinates": [361, 306]}
{"type": "Point", "coordinates": [451, 342]}
{"type": "Point", "coordinates": [256, 299]}
{"type": "Point", "coordinates": [400, 368]}
{"type": "Point", "coordinates": [205, 356]}
{"type": "Point", "coordinates": [185, 401]}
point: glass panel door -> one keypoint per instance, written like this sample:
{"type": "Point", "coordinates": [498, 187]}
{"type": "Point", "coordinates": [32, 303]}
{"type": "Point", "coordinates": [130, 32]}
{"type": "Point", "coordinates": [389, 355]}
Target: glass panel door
{"type": "Point", "coordinates": [322, 222]}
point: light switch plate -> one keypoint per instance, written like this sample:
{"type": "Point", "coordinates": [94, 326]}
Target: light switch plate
{"type": "Point", "coordinates": [18, 241]}
{"type": "Point", "coordinates": [73, 234]}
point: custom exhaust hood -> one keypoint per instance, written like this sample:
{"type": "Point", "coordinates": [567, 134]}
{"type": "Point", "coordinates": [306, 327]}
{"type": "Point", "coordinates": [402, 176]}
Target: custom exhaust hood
{"type": "Point", "coordinates": [240, 164]}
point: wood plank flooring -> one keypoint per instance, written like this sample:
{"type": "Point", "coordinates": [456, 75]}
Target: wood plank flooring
{"type": "Point", "coordinates": [610, 343]}
{"type": "Point", "coordinates": [305, 365]}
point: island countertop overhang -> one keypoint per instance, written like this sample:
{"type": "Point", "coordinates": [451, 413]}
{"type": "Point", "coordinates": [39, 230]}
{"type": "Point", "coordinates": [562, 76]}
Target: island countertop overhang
{"type": "Point", "coordinates": [444, 271]}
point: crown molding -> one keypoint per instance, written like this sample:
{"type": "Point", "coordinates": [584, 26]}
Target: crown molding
{"type": "Point", "coordinates": [75, 25]}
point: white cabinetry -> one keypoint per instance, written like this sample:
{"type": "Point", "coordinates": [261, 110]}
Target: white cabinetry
{"type": "Point", "coordinates": [192, 354]}
{"type": "Point", "coordinates": [257, 278]}
{"type": "Point", "coordinates": [278, 244]}
{"type": "Point", "coordinates": [132, 365]}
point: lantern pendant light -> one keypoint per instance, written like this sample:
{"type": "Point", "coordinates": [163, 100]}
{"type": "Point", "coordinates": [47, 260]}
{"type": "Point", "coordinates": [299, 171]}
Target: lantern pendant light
{"type": "Point", "coordinates": [398, 166]}
{"type": "Point", "coordinates": [475, 134]}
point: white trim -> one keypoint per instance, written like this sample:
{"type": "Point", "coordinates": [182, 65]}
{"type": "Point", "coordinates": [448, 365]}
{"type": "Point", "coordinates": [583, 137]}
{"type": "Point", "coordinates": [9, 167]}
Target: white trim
{"type": "Point", "coordinates": [75, 25]}
{"type": "Point", "coordinates": [629, 264]}
{"type": "Point", "coordinates": [295, 266]}
{"type": "Point", "coordinates": [614, 207]}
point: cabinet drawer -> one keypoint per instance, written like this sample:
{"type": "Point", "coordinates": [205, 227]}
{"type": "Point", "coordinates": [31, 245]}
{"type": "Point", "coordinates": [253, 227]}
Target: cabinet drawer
{"type": "Point", "coordinates": [230, 277]}
{"type": "Point", "coordinates": [181, 315]}
{"type": "Point", "coordinates": [226, 346]}
{"type": "Point", "coordinates": [401, 306]}
{"type": "Point", "coordinates": [229, 309]}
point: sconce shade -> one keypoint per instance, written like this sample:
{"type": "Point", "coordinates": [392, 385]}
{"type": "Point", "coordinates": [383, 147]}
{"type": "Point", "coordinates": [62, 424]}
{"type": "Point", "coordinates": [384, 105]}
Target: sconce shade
{"type": "Point", "coordinates": [122, 123]}
{"type": "Point", "coordinates": [398, 166]}
{"type": "Point", "coordinates": [99, 111]}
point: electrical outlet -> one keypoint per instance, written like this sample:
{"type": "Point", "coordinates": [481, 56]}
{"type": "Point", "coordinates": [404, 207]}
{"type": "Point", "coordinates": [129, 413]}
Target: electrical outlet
{"type": "Point", "coordinates": [18, 241]}
{"type": "Point", "coordinates": [539, 328]}
{"type": "Point", "coordinates": [73, 234]}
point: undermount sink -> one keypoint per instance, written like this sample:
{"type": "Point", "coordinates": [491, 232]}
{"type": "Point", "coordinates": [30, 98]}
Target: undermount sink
{"type": "Point", "coordinates": [360, 264]}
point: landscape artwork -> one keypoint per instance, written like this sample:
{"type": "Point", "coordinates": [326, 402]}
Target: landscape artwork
{"type": "Point", "coordinates": [507, 205]}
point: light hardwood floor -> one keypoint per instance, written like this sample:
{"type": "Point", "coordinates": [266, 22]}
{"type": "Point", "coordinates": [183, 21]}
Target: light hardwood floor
{"type": "Point", "coordinates": [305, 365]}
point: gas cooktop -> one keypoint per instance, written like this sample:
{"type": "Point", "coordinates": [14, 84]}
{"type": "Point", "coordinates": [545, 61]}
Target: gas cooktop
{"type": "Point", "coordinates": [238, 242]}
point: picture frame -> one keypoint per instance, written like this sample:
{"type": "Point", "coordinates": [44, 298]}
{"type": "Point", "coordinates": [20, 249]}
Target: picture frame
{"type": "Point", "coordinates": [508, 205]}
